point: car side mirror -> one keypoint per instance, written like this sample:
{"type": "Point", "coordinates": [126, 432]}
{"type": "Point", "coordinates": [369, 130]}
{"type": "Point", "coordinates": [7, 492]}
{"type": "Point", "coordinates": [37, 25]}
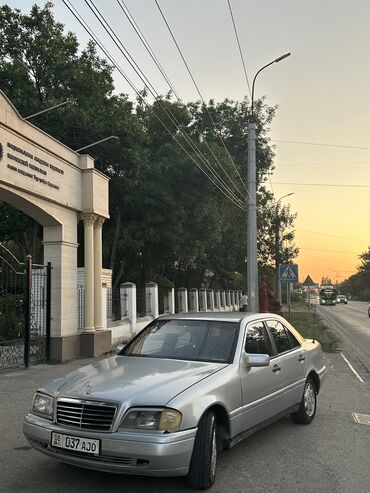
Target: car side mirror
{"type": "Point", "coordinates": [256, 360]}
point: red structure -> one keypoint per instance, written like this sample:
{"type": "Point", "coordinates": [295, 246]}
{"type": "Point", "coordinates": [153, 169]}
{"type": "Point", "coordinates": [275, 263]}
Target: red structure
{"type": "Point", "coordinates": [267, 300]}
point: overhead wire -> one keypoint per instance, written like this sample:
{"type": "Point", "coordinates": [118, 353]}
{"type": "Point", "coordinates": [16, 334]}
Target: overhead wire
{"type": "Point", "coordinates": [77, 16]}
{"type": "Point", "coordinates": [149, 49]}
{"type": "Point", "coordinates": [346, 185]}
{"type": "Point", "coordinates": [320, 144]}
{"type": "Point", "coordinates": [333, 236]}
{"type": "Point", "coordinates": [240, 49]}
{"type": "Point", "coordinates": [200, 95]}
{"type": "Point", "coordinates": [156, 95]}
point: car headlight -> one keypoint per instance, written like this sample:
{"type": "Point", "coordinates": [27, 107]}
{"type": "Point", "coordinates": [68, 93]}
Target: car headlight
{"type": "Point", "coordinates": [43, 404]}
{"type": "Point", "coordinates": [152, 419]}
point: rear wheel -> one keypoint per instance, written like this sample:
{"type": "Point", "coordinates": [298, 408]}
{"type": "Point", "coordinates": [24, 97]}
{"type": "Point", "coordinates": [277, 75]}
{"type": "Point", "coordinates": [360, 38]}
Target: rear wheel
{"type": "Point", "coordinates": [202, 469]}
{"type": "Point", "coordinates": [307, 408]}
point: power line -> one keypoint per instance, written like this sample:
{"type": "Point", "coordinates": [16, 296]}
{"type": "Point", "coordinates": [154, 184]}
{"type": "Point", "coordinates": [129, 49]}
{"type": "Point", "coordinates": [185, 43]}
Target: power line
{"type": "Point", "coordinates": [155, 94]}
{"type": "Point", "coordinates": [320, 144]}
{"type": "Point", "coordinates": [352, 163]}
{"type": "Point", "coordinates": [74, 12]}
{"type": "Point", "coordinates": [333, 236]}
{"type": "Point", "coordinates": [149, 49]}
{"type": "Point", "coordinates": [328, 251]}
{"type": "Point", "coordinates": [240, 50]}
{"type": "Point", "coordinates": [200, 94]}
{"type": "Point", "coordinates": [325, 260]}
{"type": "Point", "coordinates": [321, 184]}
{"type": "Point", "coordinates": [146, 44]}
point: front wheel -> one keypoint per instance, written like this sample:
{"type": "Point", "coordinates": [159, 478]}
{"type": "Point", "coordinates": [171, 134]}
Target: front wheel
{"type": "Point", "coordinates": [202, 469]}
{"type": "Point", "coordinates": [307, 408]}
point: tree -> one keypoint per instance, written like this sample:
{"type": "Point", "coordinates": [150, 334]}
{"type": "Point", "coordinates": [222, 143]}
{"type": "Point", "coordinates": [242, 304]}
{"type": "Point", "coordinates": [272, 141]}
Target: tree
{"type": "Point", "coordinates": [358, 285]}
{"type": "Point", "coordinates": [168, 223]}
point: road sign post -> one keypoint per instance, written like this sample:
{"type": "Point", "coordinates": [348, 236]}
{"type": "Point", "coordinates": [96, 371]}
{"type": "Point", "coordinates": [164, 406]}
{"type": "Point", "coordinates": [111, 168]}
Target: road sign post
{"type": "Point", "coordinates": [288, 274]}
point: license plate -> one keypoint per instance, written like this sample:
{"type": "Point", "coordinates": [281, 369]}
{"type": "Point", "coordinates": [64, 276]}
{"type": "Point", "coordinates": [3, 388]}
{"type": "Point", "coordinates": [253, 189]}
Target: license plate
{"type": "Point", "coordinates": [78, 444]}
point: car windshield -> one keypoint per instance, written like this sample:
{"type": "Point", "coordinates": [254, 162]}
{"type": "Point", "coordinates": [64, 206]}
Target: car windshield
{"type": "Point", "coordinates": [197, 340]}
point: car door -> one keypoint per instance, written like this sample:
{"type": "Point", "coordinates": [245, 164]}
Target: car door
{"type": "Point", "coordinates": [258, 384]}
{"type": "Point", "coordinates": [288, 365]}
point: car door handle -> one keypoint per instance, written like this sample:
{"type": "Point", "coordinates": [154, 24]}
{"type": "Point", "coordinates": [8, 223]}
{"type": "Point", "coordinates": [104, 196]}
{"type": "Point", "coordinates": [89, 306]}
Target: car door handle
{"type": "Point", "coordinates": [276, 368]}
{"type": "Point", "coordinates": [302, 357]}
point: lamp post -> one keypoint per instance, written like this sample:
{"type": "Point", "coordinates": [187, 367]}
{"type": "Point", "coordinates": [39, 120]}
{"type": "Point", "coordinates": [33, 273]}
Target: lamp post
{"type": "Point", "coordinates": [277, 244]}
{"type": "Point", "coordinates": [252, 265]}
{"type": "Point", "coordinates": [97, 142]}
{"type": "Point", "coordinates": [70, 101]}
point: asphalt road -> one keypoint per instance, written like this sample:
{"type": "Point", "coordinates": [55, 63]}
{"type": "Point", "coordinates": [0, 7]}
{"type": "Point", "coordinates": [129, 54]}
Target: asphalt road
{"type": "Point", "coordinates": [352, 323]}
{"type": "Point", "coordinates": [330, 455]}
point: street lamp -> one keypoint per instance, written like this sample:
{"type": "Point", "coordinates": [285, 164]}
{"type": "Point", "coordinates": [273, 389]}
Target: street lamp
{"type": "Point", "coordinates": [70, 101]}
{"type": "Point", "coordinates": [97, 142]}
{"type": "Point", "coordinates": [277, 244]}
{"type": "Point", "coordinates": [252, 265]}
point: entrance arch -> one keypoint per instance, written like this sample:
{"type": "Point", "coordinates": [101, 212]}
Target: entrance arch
{"type": "Point", "coordinates": [58, 187]}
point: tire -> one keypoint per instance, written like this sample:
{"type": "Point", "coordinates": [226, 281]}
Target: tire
{"type": "Point", "coordinates": [202, 469]}
{"type": "Point", "coordinates": [307, 407]}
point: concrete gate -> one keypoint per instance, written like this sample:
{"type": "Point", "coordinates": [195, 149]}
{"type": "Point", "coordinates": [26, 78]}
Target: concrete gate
{"type": "Point", "coordinates": [58, 187]}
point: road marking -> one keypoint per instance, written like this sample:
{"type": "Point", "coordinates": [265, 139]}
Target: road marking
{"type": "Point", "coordinates": [351, 368]}
{"type": "Point", "coordinates": [362, 419]}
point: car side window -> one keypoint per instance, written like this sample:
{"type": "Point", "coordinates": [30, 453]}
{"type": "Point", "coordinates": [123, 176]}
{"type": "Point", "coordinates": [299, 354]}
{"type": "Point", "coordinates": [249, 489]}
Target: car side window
{"type": "Point", "coordinates": [280, 336]}
{"type": "Point", "coordinates": [293, 340]}
{"type": "Point", "coordinates": [257, 340]}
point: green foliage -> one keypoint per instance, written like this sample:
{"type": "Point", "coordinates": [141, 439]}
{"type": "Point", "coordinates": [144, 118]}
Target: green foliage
{"type": "Point", "coordinates": [168, 223]}
{"type": "Point", "coordinates": [358, 285]}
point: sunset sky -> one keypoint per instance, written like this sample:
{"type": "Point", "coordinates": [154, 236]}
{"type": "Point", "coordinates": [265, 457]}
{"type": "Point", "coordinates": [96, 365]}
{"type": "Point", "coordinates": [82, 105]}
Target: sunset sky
{"type": "Point", "coordinates": [322, 91]}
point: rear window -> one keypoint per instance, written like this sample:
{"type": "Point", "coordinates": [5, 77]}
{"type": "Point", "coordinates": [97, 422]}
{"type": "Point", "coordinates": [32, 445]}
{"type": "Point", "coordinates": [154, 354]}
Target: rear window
{"type": "Point", "coordinates": [197, 340]}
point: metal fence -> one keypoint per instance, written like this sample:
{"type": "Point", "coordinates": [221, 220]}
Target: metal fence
{"type": "Point", "coordinates": [24, 311]}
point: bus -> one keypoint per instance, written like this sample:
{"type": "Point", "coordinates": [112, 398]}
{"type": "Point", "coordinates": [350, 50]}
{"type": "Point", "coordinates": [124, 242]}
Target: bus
{"type": "Point", "coordinates": [328, 295]}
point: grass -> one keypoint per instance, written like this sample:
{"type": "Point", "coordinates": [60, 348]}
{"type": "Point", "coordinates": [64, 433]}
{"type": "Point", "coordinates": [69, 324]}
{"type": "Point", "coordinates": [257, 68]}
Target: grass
{"type": "Point", "coordinates": [311, 327]}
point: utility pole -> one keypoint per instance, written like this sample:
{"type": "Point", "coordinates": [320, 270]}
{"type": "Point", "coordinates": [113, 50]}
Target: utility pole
{"type": "Point", "coordinates": [252, 264]}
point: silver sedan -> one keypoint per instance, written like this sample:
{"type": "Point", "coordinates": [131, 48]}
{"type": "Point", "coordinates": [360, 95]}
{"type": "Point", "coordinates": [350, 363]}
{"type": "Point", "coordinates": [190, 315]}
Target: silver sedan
{"type": "Point", "coordinates": [184, 388]}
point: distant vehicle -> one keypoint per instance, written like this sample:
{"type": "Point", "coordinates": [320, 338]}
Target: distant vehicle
{"type": "Point", "coordinates": [342, 298]}
{"type": "Point", "coordinates": [328, 295]}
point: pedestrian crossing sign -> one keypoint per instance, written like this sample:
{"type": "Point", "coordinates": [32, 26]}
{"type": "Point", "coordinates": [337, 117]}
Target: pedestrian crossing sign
{"type": "Point", "coordinates": [288, 273]}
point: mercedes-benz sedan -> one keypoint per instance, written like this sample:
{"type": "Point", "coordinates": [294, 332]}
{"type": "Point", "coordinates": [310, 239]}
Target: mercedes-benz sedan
{"type": "Point", "coordinates": [184, 388]}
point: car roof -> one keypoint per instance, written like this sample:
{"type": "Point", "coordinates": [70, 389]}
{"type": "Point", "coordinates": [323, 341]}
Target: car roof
{"type": "Point", "coordinates": [217, 316]}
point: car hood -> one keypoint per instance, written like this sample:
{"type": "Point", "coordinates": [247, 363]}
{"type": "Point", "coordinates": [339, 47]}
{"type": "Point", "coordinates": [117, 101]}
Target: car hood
{"type": "Point", "coordinates": [132, 381]}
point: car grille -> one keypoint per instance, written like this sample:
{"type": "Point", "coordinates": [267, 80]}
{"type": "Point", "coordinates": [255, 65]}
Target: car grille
{"type": "Point", "coordinates": [88, 415]}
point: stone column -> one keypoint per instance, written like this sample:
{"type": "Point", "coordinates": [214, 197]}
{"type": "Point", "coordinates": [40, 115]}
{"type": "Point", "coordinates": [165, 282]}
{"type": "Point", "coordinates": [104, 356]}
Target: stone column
{"type": "Point", "coordinates": [211, 300]}
{"type": "Point", "coordinates": [223, 300]}
{"type": "Point", "coordinates": [193, 300]}
{"type": "Point", "coordinates": [228, 299]}
{"type": "Point", "coordinates": [128, 290]}
{"type": "Point", "coordinates": [89, 220]}
{"type": "Point", "coordinates": [202, 298]}
{"type": "Point", "coordinates": [151, 289]}
{"type": "Point", "coordinates": [171, 301]}
{"type": "Point", "coordinates": [98, 226]}
{"type": "Point", "coordinates": [182, 294]}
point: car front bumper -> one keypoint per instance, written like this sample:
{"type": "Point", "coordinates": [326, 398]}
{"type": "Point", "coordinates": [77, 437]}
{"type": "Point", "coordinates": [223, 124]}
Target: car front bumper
{"type": "Point", "coordinates": [120, 452]}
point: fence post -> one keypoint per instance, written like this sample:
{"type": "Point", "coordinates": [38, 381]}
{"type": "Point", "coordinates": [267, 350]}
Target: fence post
{"type": "Point", "coordinates": [223, 300]}
{"type": "Point", "coordinates": [228, 299]}
{"type": "Point", "coordinates": [202, 298]}
{"type": "Point", "coordinates": [128, 290]}
{"type": "Point", "coordinates": [182, 294]}
{"type": "Point", "coordinates": [27, 311]}
{"type": "Point", "coordinates": [48, 310]}
{"type": "Point", "coordinates": [193, 300]}
{"type": "Point", "coordinates": [171, 301]}
{"type": "Point", "coordinates": [151, 289]}
{"type": "Point", "coordinates": [211, 300]}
